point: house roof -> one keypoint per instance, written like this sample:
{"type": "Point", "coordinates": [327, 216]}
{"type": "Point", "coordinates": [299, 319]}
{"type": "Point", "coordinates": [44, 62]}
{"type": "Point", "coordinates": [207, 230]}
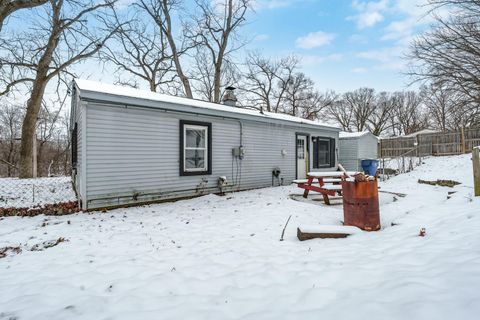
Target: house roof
{"type": "Point", "coordinates": [352, 135]}
{"type": "Point", "coordinates": [120, 94]}
{"type": "Point", "coordinates": [414, 134]}
{"type": "Point", "coordinates": [423, 131]}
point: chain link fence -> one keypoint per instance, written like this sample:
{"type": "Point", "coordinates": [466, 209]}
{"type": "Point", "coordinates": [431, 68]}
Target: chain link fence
{"type": "Point", "coordinates": [390, 167]}
{"type": "Point", "coordinates": [47, 195]}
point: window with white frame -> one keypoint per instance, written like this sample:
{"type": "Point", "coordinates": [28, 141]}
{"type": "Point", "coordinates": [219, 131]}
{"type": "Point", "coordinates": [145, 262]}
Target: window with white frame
{"type": "Point", "coordinates": [196, 145]}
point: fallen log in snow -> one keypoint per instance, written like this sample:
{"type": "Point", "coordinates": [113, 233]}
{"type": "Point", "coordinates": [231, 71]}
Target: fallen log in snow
{"type": "Point", "coordinates": [325, 232]}
{"type": "Point", "coordinates": [439, 182]}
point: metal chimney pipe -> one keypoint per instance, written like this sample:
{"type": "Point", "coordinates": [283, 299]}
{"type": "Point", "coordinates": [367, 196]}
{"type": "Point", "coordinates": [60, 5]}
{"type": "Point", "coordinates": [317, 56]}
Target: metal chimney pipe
{"type": "Point", "coordinates": [229, 98]}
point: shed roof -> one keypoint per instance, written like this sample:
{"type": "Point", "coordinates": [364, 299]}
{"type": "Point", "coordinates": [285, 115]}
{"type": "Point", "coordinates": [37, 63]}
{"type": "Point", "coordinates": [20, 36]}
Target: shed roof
{"type": "Point", "coordinates": [114, 93]}
{"type": "Point", "coordinates": [424, 131]}
{"type": "Point", "coordinates": [353, 135]}
{"type": "Point", "coordinates": [414, 134]}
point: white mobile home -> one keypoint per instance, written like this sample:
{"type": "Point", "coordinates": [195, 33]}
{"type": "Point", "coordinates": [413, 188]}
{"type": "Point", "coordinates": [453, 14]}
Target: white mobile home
{"type": "Point", "coordinates": [133, 146]}
{"type": "Point", "coordinates": [355, 146]}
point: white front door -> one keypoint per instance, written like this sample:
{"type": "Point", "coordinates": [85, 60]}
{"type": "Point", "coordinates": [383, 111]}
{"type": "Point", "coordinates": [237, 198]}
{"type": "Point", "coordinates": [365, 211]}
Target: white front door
{"type": "Point", "coordinates": [302, 156]}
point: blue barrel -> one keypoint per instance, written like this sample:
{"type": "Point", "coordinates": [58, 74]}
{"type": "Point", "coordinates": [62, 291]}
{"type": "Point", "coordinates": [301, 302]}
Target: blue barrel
{"type": "Point", "coordinates": [370, 166]}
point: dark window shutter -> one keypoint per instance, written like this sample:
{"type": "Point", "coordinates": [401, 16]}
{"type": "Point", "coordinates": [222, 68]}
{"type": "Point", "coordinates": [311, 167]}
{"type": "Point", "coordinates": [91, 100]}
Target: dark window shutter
{"type": "Point", "coordinates": [315, 153]}
{"type": "Point", "coordinates": [332, 152]}
{"type": "Point", "coordinates": [74, 145]}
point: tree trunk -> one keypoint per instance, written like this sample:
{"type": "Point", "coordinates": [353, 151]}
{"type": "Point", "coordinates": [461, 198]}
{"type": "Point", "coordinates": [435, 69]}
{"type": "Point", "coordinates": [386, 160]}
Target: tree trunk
{"type": "Point", "coordinates": [175, 54]}
{"type": "Point", "coordinates": [152, 85]}
{"type": "Point", "coordinates": [29, 126]}
{"type": "Point", "coordinates": [40, 155]}
{"type": "Point", "coordinates": [269, 107]}
{"type": "Point", "coordinates": [178, 67]}
{"type": "Point", "coordinates": [35, 101]}
{"type": "Point", "coordinates": [10, 155]}
{"type": "Point", "coordinates": [217, 82]}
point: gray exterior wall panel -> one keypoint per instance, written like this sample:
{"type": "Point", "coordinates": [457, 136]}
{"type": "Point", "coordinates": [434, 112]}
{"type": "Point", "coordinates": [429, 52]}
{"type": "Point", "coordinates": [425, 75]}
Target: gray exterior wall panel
{"type": "Point", "coordinates": [78, 118]}
{"type": "Point", "coordinates": [133, 154]}
{"type": "Point", "coordinates": [348, 154]}
{"type": "Point", "coordinates": [353, 150]}
{"type": "Point", "coordinates": [368, 147]}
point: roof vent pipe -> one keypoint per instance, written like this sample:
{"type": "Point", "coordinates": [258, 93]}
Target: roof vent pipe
{"type": "Point", "coordinates": [229, 97]}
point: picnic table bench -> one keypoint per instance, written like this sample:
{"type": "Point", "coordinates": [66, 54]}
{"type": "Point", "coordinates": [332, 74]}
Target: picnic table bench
{"type": "Point", "coordinates": [329, 183]}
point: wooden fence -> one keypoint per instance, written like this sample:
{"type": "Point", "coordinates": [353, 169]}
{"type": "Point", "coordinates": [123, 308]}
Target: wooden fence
{"type": "Point", "coordinates": [436, 144]}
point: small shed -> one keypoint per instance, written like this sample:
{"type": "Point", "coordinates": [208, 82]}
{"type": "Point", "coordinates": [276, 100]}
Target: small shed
{"type": "Point", "coordinates": [355, 146]}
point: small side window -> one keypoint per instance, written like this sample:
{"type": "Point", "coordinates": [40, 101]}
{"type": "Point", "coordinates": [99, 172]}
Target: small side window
{"type": "Point", "coordinates": [195, 148]}
{"type": "Point", "coordinates": [300, 149]}
{"type": "Point", "coordinates": [74, 145]}
{"type": "Point", "coordinates": [323, 149]}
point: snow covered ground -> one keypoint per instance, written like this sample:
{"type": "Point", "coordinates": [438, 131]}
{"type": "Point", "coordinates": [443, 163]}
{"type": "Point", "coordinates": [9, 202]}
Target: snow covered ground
{"type": "Point", "coordinates": [220, 258]}
{"type": "Point", "coordinates": [26, 193]}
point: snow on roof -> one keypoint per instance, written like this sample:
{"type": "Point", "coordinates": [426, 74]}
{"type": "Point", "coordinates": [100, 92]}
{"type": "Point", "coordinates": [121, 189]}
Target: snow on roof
{"type": "Point", "coordinates": [414, 134]}
{"type": "Point", "coordinates": [424, 131]}
{"type": "Point", "coordinates": [344, 134]}
{"type": "Point", "coordinates": [99, 87]}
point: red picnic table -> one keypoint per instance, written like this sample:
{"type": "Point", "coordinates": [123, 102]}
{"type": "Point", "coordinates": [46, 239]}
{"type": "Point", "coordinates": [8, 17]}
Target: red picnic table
{"type": "Point", "coordinates": [329, 183]}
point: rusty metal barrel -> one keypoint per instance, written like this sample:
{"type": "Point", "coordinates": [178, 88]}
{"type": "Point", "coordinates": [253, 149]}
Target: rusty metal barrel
{"type": "Point", "coordinates": [360, 204]}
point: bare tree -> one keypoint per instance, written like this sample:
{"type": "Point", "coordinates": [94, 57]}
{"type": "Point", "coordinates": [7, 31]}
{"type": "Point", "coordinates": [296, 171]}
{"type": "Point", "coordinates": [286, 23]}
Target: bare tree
{"type": "Point", "coordinates": [7, 7]}
{"type": "Point", "coordinates": [448, 55]}
{"type": "Point", "coordinates": [439, 102]}
{"type": "Point", "coordinates": [408, 116]}
{"type": "Point", "coordinates": [140, 52]}
{"type": "Point", "coordinates": [215, 27]}
{"type": "Point", "coordinates": [48, 127]}
{"type": "Point", "coordinates": [341, 113]}
{"type": "Point", "coordinates": [464, 116]}
{"type": "Point", "coordinates": [203, 75]}
{"type": "Point", "coordinates": [378, 122]}
{"type": "Point", "coordinates": [288, 68]}
{"type": "Point", "coordinates": [64, 143]}
{"type": "Point", "coordinates": [69, 33]}
{"type": "Point", "coordinates": [266, 80]}
{"type": "Point", "coordinates": [298, 93]}
{"type": "Point", "coordinates": [260, 80]}
{"type": "Point", "coordinates": [361, 110]}
{"type": "Point", "coordinates": [362, 104]}
{"type": "Point", "coordinates": [161, 13]}
{"type": "Point", "coordinates": [312, 108]}
{"type": "Point", "coordinates": [10, 129]}
{"type": "Point", "coordinates": [447, 109]}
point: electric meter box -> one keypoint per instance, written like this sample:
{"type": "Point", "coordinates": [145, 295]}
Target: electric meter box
{"type": "Point", "coordinates": [238, 152]}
